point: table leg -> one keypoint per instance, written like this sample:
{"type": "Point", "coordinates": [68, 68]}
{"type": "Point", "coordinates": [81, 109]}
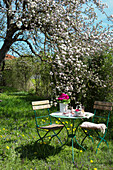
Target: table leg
{"type": "Point", "coordinates": [72, 142]}
{"type": "Point", "coordinates": [73, 136]}
{"type": "Point", "coordinates": [66, 131]}
{"type": "Point", "coordinates": [72, 151]}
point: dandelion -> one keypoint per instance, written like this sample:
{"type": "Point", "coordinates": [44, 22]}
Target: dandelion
{"type": "Point", "coordinates": [1, 136]}
{"type": "Point", "coordinates": [59, 118]}
{"type": "Point", "coordinates": [95, 168]}
{"type": "Point", "coordinates": [23, 135]}
{"type": "Point", "coordinates": [86, 131]}
{"type": "Point", "coordinates": [91, 161]}
{"type": "Point", "coordinates": [74, 129]}
{"type": "Point", "coordinates": [44, 142]}
{"type": "Point", "coordinates": [35, 153]}
{"type": "Point", "coordinates": [7, 147]}
{"type": "Point", "coordinates": [98, 149]}
{"type": "Point", "coordinates": [49, 137]}
{"type": "Point", "coordinates": [71, 125]}
{"type": "Point", "coordinates": [66, 122]}
{"type": "Point", "coordinates": [47, 118]}
{"type": "Point", "coordinates": [3, 128]}
{"type": "Point", "coordinates": [68, 128]}
{"type": "Point", "coordinates": [81, 151]}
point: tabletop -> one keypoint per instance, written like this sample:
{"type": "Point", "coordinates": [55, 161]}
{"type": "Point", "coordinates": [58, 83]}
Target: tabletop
{"type": "Point", "coordinates": [86, 115]}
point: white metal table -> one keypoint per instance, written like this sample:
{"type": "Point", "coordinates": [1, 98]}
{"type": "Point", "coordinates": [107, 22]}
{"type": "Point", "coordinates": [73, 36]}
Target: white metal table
{"type": "Point", "coordinates": [60, 115]}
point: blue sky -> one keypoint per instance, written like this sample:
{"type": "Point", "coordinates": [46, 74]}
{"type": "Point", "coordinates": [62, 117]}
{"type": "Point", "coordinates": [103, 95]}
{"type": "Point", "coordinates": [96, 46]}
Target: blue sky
{"type": "Point", "coordinates": [102, 17]}
{"type": "Point", "coordinates": [110, 5]}
{"type": "Point", "coordinates": [108, 10]}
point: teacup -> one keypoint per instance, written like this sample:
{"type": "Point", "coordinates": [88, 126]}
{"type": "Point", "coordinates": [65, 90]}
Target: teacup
{"type": "Point", "coordinates": [77, 113]}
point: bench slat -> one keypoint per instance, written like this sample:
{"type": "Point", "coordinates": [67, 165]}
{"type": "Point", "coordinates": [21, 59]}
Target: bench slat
{"type": "Point", "coordinates": [35, 103]}
{"type": "Point", "coordinates": [102, 103]}
{"type": "Point", "coordinates": [102, 107]}
{"type": "Point", "coordinates": [41, 107]}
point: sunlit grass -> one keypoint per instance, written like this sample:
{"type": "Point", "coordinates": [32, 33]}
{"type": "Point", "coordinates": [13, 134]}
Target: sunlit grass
{"type": "Point", "coordinates": [18, 149]}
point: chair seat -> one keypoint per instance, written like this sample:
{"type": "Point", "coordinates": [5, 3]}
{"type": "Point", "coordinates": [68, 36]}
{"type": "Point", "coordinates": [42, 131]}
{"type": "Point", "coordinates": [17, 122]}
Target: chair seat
{"type": "Point", "coordinates": [51, 127]}
{"type": "Point", "coordinates": [90, 125]}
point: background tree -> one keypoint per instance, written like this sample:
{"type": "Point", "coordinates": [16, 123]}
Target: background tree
{"type": "Point", "coordinates": [28, 74]}
{"type": "Point", "coordinates": [83, 38]}
{"type": "Point", "coordinates": [24, 71]}
{"type": "Point", "coordinates": [18, 72]}
{"type": "Point", "coordinates": [102, 65]}
{"type": "Point", "coordinates": [18, 22]}
{"type": "Point", "coordinates": [8, 74]}
{"type": "Point", "coordinates": [41, 79]}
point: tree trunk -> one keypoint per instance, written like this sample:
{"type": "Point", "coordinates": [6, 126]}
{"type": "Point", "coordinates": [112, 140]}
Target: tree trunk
{"type": "Point", "coordinates": [5, 48]}
{"type": "Point", "coordinates": [3, 66]}
{"type": "Point", "coordinates": [9, 40]}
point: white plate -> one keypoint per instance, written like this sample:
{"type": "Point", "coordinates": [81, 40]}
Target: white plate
{"type": "Point", "coordinates": [57, 113]}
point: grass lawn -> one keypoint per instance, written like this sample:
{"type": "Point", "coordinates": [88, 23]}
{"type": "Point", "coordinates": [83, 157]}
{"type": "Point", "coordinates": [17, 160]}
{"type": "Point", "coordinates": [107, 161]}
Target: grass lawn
{"type": "Point", "coordinates": [18, 150]}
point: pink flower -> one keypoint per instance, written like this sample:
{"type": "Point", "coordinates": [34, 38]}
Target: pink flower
{"type": "Point", "coordinates": [63, 96]}
{"type": "Point", "coordinates": [77, 110]}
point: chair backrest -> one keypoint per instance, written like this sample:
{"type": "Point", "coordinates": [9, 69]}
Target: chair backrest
{"type": "Point", "coordinates": [105, 110]}
{"type": "Point", "coordinates": [102, 105]}
{"type": "Point", "coordinates": [44, 104]}
{"type": "Point", "coordinates": [37, 105]}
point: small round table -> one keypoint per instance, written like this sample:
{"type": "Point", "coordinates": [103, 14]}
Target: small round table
{"type": "Point", "coordinates": [60, 115]}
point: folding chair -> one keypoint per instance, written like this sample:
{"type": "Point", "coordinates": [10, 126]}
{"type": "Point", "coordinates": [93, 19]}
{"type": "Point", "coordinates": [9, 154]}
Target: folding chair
{"type": "Point", "coordinates": [44, 123]}
{"type": "Point", "coordinates": [102, 112]}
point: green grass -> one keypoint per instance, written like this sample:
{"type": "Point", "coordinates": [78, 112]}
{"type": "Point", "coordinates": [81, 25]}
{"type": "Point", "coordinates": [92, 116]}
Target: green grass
{"type": "Point", "coordinates": [18, 150]}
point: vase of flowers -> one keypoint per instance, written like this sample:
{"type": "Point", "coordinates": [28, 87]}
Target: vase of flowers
{"type": "Point", "coordinates": [63, 100]}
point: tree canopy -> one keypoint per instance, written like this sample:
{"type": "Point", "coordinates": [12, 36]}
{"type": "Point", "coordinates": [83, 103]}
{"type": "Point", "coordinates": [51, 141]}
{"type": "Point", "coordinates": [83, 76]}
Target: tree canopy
{"type": "Point", "coordinates": [64, 25]}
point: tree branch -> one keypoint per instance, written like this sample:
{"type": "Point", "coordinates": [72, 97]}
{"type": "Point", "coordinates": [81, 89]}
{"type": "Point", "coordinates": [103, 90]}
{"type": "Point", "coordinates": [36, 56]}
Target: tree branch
{"type": "Point", "coordinates": [15, 51]}
{"type": "Point", "coordinates": [30, 46]}
{"type": "Point", "coordinates": [17, 35]}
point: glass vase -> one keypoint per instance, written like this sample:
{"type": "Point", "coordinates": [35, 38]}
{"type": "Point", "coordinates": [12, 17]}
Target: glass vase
{"type": "Point", "coordinates": [63, 107]}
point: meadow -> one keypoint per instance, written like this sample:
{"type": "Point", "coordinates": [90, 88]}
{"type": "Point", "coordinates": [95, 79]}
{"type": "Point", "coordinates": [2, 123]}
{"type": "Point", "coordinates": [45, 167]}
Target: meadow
{"type": "Point", "coordinates": [18, 134]}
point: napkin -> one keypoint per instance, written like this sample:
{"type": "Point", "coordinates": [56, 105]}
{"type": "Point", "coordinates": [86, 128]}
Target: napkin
{"type": "Point", "coordinates": [90, 125]}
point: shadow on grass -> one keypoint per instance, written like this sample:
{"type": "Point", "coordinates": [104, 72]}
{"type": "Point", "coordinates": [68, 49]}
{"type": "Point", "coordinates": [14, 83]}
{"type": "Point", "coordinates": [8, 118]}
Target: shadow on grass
{"type": "Point", "coordinates": [26, 96]}
{"type": "Point", "coordinates": [37, 151]}
{"type": "Point", "coordinates": [75, 145]}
